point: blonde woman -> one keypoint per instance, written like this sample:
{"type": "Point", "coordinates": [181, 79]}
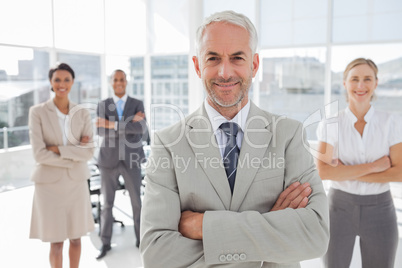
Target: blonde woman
{"type": "Point", "coordinates": [362, 153]}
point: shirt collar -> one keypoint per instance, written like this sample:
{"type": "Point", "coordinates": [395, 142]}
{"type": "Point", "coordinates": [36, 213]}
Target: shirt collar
{"type": "Point", "coordinates": [367, 116]}
{"type": "Point", "coordinates": [116, 99]}
{"type": "Point", "coordinates": [217, 119]}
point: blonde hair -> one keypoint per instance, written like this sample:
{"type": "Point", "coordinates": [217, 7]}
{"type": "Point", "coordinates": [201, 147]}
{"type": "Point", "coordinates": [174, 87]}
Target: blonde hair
{"type": "Point", "coordinates": [356, 62]}
{"type": "Point", "coordinates": [360, 61]}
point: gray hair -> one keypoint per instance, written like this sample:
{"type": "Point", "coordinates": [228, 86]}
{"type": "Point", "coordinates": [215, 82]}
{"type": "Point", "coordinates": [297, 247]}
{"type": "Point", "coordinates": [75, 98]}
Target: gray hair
{"type": "Point", "coordinates": [230, 17]}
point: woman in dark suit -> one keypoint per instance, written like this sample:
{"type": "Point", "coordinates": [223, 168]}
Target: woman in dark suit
{"type": "Point", "coordinates": [61, 137]}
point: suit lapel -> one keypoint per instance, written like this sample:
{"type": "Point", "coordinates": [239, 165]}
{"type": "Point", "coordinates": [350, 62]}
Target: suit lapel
{"type": "Point", "coordinates": [202, 140]}
{"type": "Point", "coordinates": [111, 106]}
{"type": "Point", "coordinates": [54, 121]}
{"type": "Point", "coordinates": [127, 106]}
{"type": "Point", "coordinates": [254, 146]}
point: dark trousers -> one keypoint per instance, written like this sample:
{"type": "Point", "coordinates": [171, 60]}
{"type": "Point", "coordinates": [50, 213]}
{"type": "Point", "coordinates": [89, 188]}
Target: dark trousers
{"type": "Point", "coordinates": [372, 218]}
{"type": "Point", "coordinates": [109, 184]}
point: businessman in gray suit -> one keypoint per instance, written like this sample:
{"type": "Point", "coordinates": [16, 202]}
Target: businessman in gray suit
{"type": "Point", "coordinates": [231, 185]}
{"type": "Point", "coordinates": [121, 123]}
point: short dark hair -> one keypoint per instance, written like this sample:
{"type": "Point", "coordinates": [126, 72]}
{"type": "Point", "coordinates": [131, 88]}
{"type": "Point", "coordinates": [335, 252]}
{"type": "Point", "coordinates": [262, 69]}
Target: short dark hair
{"type": "Point", "coordinates": [118, 70]}
{"type": "Point", "coordinates": [61, 66]}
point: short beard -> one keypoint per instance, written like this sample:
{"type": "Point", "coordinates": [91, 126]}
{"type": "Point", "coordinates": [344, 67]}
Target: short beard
{"type": "Point", "coordinates": [214, 98]}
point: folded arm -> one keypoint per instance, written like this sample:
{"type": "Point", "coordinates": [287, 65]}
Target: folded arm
{"type": "Point", "coordinates": [42, 155]}
{"type": "Point", "coordinates": [84, 149]}
{"type": "Point", "coordinates": [282, 235]}
{"type": "Point", "coordinates": [384, 169]}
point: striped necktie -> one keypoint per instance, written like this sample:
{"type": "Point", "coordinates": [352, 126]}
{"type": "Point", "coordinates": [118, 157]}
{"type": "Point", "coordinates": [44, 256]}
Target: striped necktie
{"type": "Point", "coordinates": [231, 154]}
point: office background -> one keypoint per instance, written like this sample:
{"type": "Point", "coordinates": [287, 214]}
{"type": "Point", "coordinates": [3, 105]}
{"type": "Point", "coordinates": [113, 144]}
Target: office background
{"type": "Point", "coordinates": [304, 46]}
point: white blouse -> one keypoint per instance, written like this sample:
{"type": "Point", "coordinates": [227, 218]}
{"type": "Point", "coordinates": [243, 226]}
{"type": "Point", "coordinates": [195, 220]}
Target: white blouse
{"type": "Point", "coordinates": [382, 130]}
{"type": "Point", "coordinates": [64, 120]}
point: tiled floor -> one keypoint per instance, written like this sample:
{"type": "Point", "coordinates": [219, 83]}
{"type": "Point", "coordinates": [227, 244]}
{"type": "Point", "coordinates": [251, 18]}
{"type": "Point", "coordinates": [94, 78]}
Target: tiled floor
{"type": "Point", "coordinates": [16, 250]}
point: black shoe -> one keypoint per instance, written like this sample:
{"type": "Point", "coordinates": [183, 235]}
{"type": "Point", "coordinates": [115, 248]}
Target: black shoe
{"type": "Point", "coordinates": [103, 250]}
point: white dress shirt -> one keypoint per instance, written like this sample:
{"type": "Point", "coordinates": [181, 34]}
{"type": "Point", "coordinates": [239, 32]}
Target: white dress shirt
{"type": "Point", "coordinates": [382, 131]}
{"type": "Point", "coordinates": [217, 119]}
{"type": "Point", "coordinates": [124, 99]}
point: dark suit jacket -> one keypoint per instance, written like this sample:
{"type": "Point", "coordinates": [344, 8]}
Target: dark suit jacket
{"type": "Point", "coordinates": [125, 143]}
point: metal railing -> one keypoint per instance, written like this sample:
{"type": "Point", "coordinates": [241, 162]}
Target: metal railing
{"type": "Point", "coordinates": [13, 137]}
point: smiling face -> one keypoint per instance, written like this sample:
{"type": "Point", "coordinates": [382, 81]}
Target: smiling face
{"type": "Point", "coordinates": [119, 83]}
{"type": "Point", "coordinates": [226, 65]}
{"type": "Point", "coordinates": [360, 84]}
{"type": "Point", "coordinates": [61, 82]}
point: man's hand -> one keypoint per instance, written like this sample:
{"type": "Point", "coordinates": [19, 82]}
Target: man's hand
{"type": "Point", "coordinates": [190, 224]}
{"type": "Point", "coordinates": [295, 196]}
{"type": "Point", "coordinates": [102, 122]}
{"type": "Point", "coordinates": [138, 116]}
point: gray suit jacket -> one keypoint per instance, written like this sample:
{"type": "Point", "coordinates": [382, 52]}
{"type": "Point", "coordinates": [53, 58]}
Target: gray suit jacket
{"type": "Point", "coordinates": [185, 173]}
{"type": "Point", "coordinates": [125, 143]}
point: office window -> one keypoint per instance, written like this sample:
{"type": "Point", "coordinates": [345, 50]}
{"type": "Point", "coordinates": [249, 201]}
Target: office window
{"type": "Point", "coordinates": [167, 103]}
{"type": "Point", "coordinates": [79, 25]}
{"type": "Point", "coordinates": [125, 31]}
{"type": "Point", "coordinates": [388, 58]}
{"type": "Point", "coordinates": [366, 20]}
{"type": "Point", "coordinates": [292, 22]}
{"type": "Point", "coordinates": [23, 83]}
{"type": "Point", "coordinates": [170, 26]}
{"type": "Point", "coordinates": [291, 78]}
{"type": "Point", "coordinates": [245, 7]}
{"type": "Point", "coordinates": [26, 22]}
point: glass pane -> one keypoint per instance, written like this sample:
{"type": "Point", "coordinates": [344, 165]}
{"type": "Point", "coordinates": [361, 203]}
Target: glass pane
{"type": "Point", "coordinates": [367, 21]}
{"type": "Point", "coordinates": [350, 29]}
{"type": "Point", "coordinates": [79, 25]}
{"type": "Point", "coordinates": [87, 82]}
{"type": "Point", "coordinates": [292, 78]}
{"type": "Point", "coordinates": [125, 27]}
{"type": "Point", "coordinates": [23, 83]}
{"type": "Point", "coordinates": [388, 5]}
{"type": "Point", "coordinates": [388, 58]}
{"type": "Point", "coordinates": [287, 23]}
{"type": "Point", "coordinates": [170, 22]}
{"type": "Point", "coordinates": [245, 7]}
{"type": "Point", "coordinates": [387, 26]}
{"type": "Point", "coordinates": [344, 8]}
{"type": "Point", "coordinates": [26, 22]}
{"type": "Point", "coordinates": [169, 74]}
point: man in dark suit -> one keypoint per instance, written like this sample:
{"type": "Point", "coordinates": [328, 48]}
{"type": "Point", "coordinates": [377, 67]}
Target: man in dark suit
{"type": "Point", "coordinates": [121, 123]}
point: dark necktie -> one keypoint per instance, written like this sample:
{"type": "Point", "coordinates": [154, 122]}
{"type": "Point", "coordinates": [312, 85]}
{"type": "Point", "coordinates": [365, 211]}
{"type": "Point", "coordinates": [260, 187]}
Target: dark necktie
{"type": "Point", "coordinates": [231, 153]}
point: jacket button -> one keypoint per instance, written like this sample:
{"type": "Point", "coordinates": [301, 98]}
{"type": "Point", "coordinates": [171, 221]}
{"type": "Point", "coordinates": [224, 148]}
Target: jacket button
{"type": "Point", "coordinates": [222, 258]}
{"type": "Point", "coordinates": [236, 257]}
{"type": "Point", "coordinates": [229, 257]}
{"type": "Point", "coordinates": [243, 257]}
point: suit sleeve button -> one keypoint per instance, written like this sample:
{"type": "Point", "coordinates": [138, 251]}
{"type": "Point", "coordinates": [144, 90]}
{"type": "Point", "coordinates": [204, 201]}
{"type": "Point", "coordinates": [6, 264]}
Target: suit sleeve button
{"type": "Point", "coordinates": [236, 257]}
{"type": "Point", "coordinates": [222, 258]}
{"type": "Point", "coordinates": [229, 257]}
{"type": "Point", "coordinates": [243, 257]}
